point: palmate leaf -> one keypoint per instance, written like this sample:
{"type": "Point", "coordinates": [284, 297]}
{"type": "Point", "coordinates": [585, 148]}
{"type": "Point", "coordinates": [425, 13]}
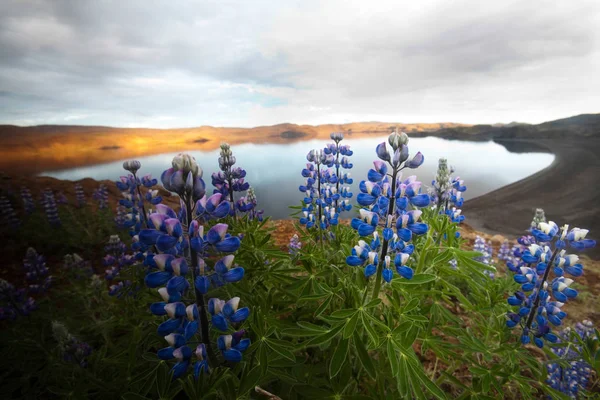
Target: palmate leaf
{"type": "Point", "coordinates": [249, 380]}
{"type": "Point", "coordinates": [416, 280]}
{"type": "Point", "coordinates": [350, 327]}
{"type": "Point", "coordinates": [363, 355]}
{"type": "Point", "coordinates": [339, 357]}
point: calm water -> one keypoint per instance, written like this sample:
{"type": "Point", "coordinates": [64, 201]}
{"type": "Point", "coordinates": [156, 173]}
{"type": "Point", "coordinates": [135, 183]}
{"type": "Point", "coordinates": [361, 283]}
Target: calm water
{"type": "Point", "coordinates": [274, 169]}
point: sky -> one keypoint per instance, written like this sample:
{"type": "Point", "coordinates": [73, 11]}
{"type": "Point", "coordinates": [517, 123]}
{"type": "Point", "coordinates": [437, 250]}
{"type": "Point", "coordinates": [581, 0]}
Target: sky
{"type": "Point", "coordinates": [164, 64]}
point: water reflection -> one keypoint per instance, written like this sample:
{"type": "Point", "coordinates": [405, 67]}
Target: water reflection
{"type": "Point", "coordinates": [274, 169]}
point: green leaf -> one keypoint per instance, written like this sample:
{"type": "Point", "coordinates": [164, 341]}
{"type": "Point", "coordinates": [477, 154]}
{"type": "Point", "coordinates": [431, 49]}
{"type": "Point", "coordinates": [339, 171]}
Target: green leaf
{"type": "Point", "coordinates": [416, 280]}
{"type": "Point", "coordinates": [370, 331]}
{"type": "Point", "coordinates": [250, 380]}
{"type": "Point", "coordinates": [373, 303]}
{"type": "Point", "coordinates": [312, 327]}
{"type": "Point", "coordinates": [263, 358]}
{"type": "Point", "coordinates": [339, 356]}
{"type": "Point", "coordinates": [363, 356]}
{"type": "Point", "coordinates": [403, 385]}
{"type": "Point", "coordinates": [424, 379]}
{"type": "Point", "coordinates": [279, 349]}
{"type": "Point", "coordinates": [343, 313]}
{"type": "Point", "coordinates": [324, 338]}
{"type": "Point", "coordinates": [393, 357]}
{"type": "Point", "coordinates": [323, 306]}
{"type": "Point", "coordinates": [350, 326]}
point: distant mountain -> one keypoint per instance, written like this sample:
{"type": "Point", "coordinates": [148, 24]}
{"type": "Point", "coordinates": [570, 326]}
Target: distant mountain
{"type": "Point", "coordinates": [579, 126]}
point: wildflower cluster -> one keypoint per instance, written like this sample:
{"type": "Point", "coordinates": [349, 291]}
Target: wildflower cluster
{"type": "Point", "coordinates": [61, 199]}
{"type": "Point", "coordinates": [101, 196]}
{"type": "Point", "coordinates": [184, 249]}
{"type": "Point", "coordinates": [486, 249]}
{"type": "Point", "coordinates": [36, 272]}
{"type": "Point", "coordinates": [9, 216]}
{"type": "Point", "coordinates": [248, 205]}
{"type": "Point", "coordinates": [49, 205]}
{"type": "Point", "coordinates": [80, 200]}
{"type": "Point", "coordinates": [392, 203]}
{"type": "Point", "coordinates": [540, 299]}
{"type": "Point", "coordinates": [295, 245]}
{"type": "Point", "coordinates": [324, 196]}
{"type": "Point", "coordinates": [28, 202]}
{"type": "Point", "coordinates": [572, 379]}
{"type": "Point", "coordinates": [230, 180]}
{"type": "Point", "coordinates": [71, 348]}
{"type": "Point", "coordinates": [114, 261]}
{"type": "Point", "coordinates": [14, 302]}
{"type": "Point", "coordinates": [77, 267]}
{"type": "Point", "coordinates": [446, 192]}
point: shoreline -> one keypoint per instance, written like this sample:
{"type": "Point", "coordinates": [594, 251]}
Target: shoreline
{"type": "Point", "coordinates": [568, 190]}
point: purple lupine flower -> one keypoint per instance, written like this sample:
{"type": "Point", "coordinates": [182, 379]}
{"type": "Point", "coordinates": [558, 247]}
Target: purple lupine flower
{"type": "Point", "coordinates": [50, 208]}
{"type": "Point", "coordinates": [72, 349]}
{"type": "Point", "coordinates": [248, 203]}
{"type": "Point", "coordinates": [101, 196]}
{"type": "Point", "coordinates": [28, 202]}
{"type": "Point", "coordinates": [36, 272]}
{"type": "Point", "coordinates": [184, 247]}
{"type": "Point", "coordinates": [295, 245]}
{"type": "Point", "coordinates": [116, 258]}
{"type": "Point", "coordinates": [14, 302]}
{"type": "Point", "coordinates": [504, 251]}
{"type": "Point", "coordinates": [229, 179]}
{"type": "Point", "coordinates": [575, 377]}
{"type": "Point", "coordinates": [79, 196]}
{"type": "Point", "coordinates": [8, 214]}
{"type": "Point", "coordinates": [77, 267]}
{"type": "Point", "coordinates": [391, 203]}
{"type": "Point", "coordinates": [542, 306]}
{"type": "Point", "coordinates": [61, 199]}
{"type": "Point", "coordinates": [225, 313]}
{"type": "Point", "coordinates": [485, 248]}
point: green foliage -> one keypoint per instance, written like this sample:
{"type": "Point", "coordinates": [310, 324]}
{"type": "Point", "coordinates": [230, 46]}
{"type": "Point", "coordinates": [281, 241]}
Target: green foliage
{"type": "Point", "coordinates": [315, 330]}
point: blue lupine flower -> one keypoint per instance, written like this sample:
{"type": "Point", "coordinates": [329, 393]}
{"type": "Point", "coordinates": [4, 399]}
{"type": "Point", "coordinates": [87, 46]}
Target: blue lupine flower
{"type": "Point", "coordinates": [101, 196]}
{"type": "Point", "coordinates": [295, 245]}
{"type": "Point", "coordinates": [232, 346]}
{"type": "Point", "coordinates": [28, 202]}
{"type": "Point", "coordinates": [14, 302]}
{"type": "Point", "coordinates": [504, 251]}
{"type": "Point", "coordinates": [72, 349]}
{"type": "Point", "coordinates": [227, 312]}
{"type": "Point", "coordinates": [8, 214]}
{"type": "Point", "coordinates": [391, 204]}
{"type": "Point", "coordinates": [77, 267]}
{"type": "Point", "coordinates": [36, 272]}
{"type": "Point", "coordinates": [79, 196]}
{"type": "Point", "coordinates": [229, 179]}
{"type": "Point", "coordinates": [49, 205]}
{"type": "Point", "coordinates": [486, 249]}
{"type": "Point", "coordinates": [183, 247]}
{"type": "Point", "coordinates": [574, 378]}
{"type": "Point", "coordinates": [538, 310]}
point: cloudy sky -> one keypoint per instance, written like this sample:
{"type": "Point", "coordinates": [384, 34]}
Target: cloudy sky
{"type": "Point", "coordinates": [248, 63]}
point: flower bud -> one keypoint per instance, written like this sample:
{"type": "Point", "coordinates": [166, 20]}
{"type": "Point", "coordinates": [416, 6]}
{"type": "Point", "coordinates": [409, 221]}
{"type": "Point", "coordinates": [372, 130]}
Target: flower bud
{"type": "Point", "coordinates": [132, 166]}
{"type": "Point", "coordinates": [398, 139]}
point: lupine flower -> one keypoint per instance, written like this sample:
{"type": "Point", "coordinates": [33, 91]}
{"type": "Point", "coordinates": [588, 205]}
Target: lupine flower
{"type": "Point", "coordinates": [9, 216]}
{"type": "Point", "coordinates": [49, 205]}
{"type": "Point", "coordinates": [14, 302]}
{"type": "Point", "coordinates": [36, 272]}
{"type": "Point", "coordinates": [229, 179]}
{"type": "Point", "coordinates": [572, 379]}
{"type": "Point", "coordinates": [393, 204]}
{"type": "Point", "coordinates": [442, 184]}
{"type": "Point", "coordinates": [248, 203]}
{"type": "Point", "coordinates": [28, 202]}
{"type": "Point", "coordinates": [225, 313]}
{"type": "Point", "coordinates": [538, 217]}
{"type": "Point", "coordinates": [61, 198]}
{"type": "Point", "coordinates": [295, 245]}
{"type": "Point", "coordinates": [184, 250]}
{"type": "Point", "coordinates": [71, 348]}
{"type": "Point", "coordinates": [485, 248]}
{"type": "Point", "coordinates": [542, 306]}
{"type": "Point", "coordinates": [79, 196]}
{"type": "Point", "coordinates": [115, 260]}
{"type": "Point", "coordinates": [232, 346]}
{"type": "Point", "coordinates": [101, 196]}
{"type": "Point", "coordinates": [77, 266]}
{"type": "Point", "coordinates": [341, 177]}
{"type": "Point", "coordinates": [504, 251]}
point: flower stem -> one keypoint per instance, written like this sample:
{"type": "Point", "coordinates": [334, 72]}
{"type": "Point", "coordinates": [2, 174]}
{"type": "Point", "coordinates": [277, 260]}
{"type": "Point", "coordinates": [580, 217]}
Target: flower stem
{"type": "Point", "coordinates": [141, 203]}
{"type": "Point", "coordinates": [384, 246]}
{"type": "Point", "coordinates": [536, 302]}
{"type": "Point", "coordinates": [204, 334]}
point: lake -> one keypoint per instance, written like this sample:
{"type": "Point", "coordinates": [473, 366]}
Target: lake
{"type": "Point", "coordinates": [274, 169]}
